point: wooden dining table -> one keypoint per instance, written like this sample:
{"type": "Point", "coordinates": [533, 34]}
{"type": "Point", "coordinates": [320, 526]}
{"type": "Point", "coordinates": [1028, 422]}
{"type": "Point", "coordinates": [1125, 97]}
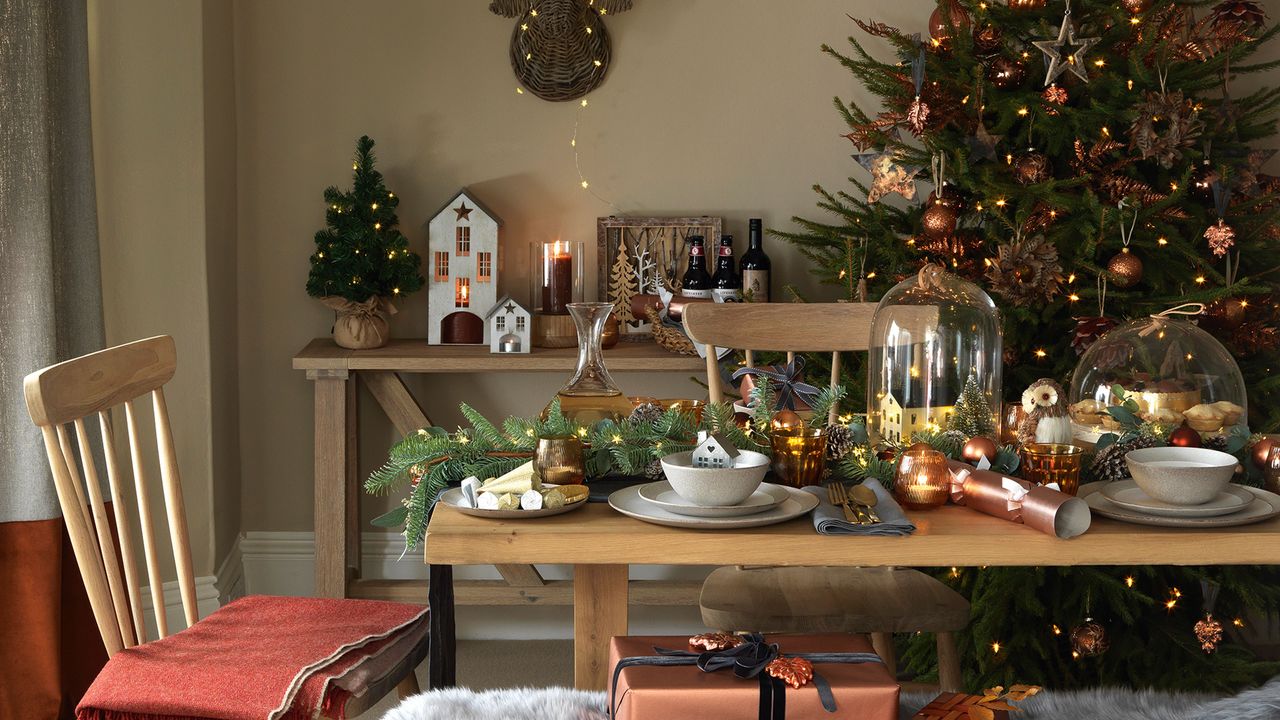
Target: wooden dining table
{"type": "Point", "coordinates": [601, 545]}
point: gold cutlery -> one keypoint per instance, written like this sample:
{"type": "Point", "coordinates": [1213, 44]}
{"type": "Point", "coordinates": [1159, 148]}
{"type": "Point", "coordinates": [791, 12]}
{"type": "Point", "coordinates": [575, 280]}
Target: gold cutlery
{"type": "Point", "coordinates": [837, 495]}
{"type": "Point", "coordinates": [866, 498]}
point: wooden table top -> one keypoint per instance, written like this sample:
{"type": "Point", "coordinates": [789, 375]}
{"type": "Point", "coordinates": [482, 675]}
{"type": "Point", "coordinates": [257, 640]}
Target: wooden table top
{"type": "Point", "coordinates": [950, 536]}
{"type": "Point", "coordinates": [415, 355]}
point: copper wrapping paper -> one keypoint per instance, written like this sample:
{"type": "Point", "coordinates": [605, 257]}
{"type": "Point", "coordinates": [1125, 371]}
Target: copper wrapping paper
{"type": "Point", "coordinates": [1038, 507]}
{"type": "Point", "coordinates": [865, 691]}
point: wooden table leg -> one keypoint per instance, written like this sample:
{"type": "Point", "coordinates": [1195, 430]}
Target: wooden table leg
{"type": "Point", "coordinates": [442, 648]}
{"type": "Point", "coordinates": [331, 468]}
{"type": "Point", "coordinates": [599, 613]}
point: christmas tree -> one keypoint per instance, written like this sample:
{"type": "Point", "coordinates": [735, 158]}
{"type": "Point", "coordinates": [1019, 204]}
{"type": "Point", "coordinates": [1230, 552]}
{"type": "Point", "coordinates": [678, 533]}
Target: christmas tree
{"type": "Point", "coordinates": [623, 281]}
{"type": "Point", "coordinates": [972, 414]}
{"type": "Point", "coordinates": [361, 254]}
{"type": "Point", "coordinates": [1088, 163]}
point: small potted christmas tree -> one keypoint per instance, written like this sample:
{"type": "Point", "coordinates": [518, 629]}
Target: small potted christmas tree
{"type": "Point", "coordinates": [362, 262]}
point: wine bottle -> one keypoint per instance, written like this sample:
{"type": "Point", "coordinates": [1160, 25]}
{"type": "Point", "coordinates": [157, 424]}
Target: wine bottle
{"type": "Point", "coordinates": [755, 266]}
{"type": "Point", "coordinates": [696, 282]}
{"type": "Point", "coordinates": [726, 284]}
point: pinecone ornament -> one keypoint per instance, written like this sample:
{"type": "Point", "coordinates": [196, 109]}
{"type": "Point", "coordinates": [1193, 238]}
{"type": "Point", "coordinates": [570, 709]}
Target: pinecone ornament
{"type": "Point", "coordinates": [839, 442]}
{"type": "Point", "coordinates": [653, 470]}
{"type": "Point", "coordinates": [1109, 463]}
{"type": "Point", "coordinates": [1217, 442]}
{"type": "Point", "coordinates": [649, 412]}
{"type": "Point", "coordinates": [1026, 272]}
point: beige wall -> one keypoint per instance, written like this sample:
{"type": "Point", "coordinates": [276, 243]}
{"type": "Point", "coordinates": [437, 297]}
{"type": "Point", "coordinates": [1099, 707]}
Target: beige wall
{"type": "Point", "coordinates": [710, 106]}
{"type": "Point", "coordinates": [160, 204]}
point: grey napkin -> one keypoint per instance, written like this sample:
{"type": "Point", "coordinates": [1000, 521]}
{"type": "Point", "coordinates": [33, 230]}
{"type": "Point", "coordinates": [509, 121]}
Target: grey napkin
{"type": "Point", "coordinates": [829, 519]}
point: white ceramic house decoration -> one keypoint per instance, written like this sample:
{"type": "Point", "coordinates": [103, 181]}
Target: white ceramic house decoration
{"type": "Point", "coordinates": [508, 326]}
{"type": "Point", "coordinates": [714, 451]}
{"type": "Point", "coordinates": [462, 270]}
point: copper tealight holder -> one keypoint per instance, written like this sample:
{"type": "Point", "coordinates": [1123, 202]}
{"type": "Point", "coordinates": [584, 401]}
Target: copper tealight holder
{"type": "Point", "coordinates": [559, 460]}
{"type": "Point", "coordinates": [922, 480]}
{"type": "Point", "coordinates": [1044, 463]}
{"type": "Point", "coordinates": [799, 455]}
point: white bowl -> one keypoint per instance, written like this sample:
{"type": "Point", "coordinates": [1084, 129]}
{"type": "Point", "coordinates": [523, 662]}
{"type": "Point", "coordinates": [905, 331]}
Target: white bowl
{"type": "Point", "coordinates": [715, 486]}
{"type": "Point", "coordinates": [1181, 476]}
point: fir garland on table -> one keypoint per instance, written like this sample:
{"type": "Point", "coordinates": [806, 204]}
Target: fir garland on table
{"type": "Point", "coordinates": [432, 459]}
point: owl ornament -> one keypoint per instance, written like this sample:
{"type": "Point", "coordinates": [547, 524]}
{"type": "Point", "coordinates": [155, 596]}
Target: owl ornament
{"type": "Point", "coordinates": [1047, 420]}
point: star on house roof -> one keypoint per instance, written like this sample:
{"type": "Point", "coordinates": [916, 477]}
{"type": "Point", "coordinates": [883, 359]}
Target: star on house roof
{"type": "Point", "coordinates": [464, 212]}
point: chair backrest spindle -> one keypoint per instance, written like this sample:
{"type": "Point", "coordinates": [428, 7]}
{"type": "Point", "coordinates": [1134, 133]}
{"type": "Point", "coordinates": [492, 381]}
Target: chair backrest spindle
{"type": "Point", "coordinates": [92, 385]}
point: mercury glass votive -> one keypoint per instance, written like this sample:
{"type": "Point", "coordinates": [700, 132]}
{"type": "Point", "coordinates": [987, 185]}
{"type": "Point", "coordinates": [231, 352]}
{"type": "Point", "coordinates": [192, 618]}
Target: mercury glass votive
{"type": "Point", "coordinates": [1044, 463]}
{"type": "Point", "coordinates": [800, 456]}
{"type": "Point", "coordinates": [1014, 414]}
{"type": "Point", "coordinates": [559, 461]}
{"type": "Point", "coordinates": [922, 480]}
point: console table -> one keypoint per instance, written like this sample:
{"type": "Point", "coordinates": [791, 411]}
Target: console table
{"type": "Point", "coordinates": [337, 374]}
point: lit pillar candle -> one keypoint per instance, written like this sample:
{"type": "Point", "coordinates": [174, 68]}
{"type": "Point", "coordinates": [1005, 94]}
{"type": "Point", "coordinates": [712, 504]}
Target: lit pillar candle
{"type": "Point", "coordinates": [557, 283]}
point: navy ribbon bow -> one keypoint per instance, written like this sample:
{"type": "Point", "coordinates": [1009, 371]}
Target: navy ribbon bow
{"type": "Point", "coordinates": [787, 381]}
{"type": "Point", "coordinates": [747, 661]}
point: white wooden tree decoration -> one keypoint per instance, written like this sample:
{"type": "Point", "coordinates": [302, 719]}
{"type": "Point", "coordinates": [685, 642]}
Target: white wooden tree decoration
{"type": "Point", "coordinates": [714, 451]}
{"type": "Point", "coordinates": [508, 325]}
{"type": "Point", "coordinates": [462, 272]}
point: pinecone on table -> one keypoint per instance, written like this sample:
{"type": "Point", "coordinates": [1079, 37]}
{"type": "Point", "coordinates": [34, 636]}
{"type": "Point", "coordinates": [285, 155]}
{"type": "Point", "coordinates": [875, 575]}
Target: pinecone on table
{"type": "Point", "coordinates": [649, 412]}
{"type": "Point", "coordinates": [653, 470]}
{"type": "Point", "coordinates": [1109, 463]}
{"type": "Point", "coordinates": [839, 442]}
{"type": "Point", "coordinates": [1217, 442]}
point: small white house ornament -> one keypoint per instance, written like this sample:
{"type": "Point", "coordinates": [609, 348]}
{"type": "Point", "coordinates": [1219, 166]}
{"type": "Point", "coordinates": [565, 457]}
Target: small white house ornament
{"type": "Point", "coordinates": [462, 270]}
{"type": "Point", "coordinates": [714, 451]}
{"type": "Point", "coordinates": [507, 324]}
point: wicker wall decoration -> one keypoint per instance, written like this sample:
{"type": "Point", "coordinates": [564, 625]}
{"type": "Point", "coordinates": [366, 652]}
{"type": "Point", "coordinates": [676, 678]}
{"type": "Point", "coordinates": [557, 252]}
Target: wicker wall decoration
{"type": "Point", "coordinates": [559, 48]}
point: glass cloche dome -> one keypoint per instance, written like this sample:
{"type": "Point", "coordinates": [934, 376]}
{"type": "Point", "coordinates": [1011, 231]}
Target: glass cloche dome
{"type": "Point", "coordinates": [1174, 370]}
{"type": "Point", "coordinates": [933, 334]}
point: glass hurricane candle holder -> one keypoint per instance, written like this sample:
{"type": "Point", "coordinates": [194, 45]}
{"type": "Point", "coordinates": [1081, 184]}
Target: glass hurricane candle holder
{"type": "Point", "coordinates": [799, 456]}
{"type": "Point", "coordinates": [556, 273]}
{"type": "Point", "coordinates": [922, 480]}
{"type": "Point", "coordinates": [559, 461]}
{"type": "Point", "coordinates": [1044, 463]}
{"type": "Point", "coordinates": [1014, 414]}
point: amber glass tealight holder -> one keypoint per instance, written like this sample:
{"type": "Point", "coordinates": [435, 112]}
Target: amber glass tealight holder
{"type": "Point", "coordinates": [559, 461]}
{"type": "Point", "coordinates": [799, 456]}
{"type": "Point", "coordinates": [922, 480]}
{"type": "Point", "coordinates": [1044, 463]}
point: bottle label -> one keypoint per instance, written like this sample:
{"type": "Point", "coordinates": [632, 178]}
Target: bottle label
{"type": "Point", "coordinates": [694, 293]}
{"type": "Point", "coordinates": [727, 294]}
{"type": "Point", "coordinates": [695, 251]}
{"type": "Point", "coordinates": [726, 251]}
{"type": "Point", "coordinates": [755, 284]}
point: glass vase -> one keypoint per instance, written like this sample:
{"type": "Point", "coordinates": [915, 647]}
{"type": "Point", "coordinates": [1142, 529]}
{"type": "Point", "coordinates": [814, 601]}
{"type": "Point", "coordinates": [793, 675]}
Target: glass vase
{"type": "Point", "coordinates": [591, 394]}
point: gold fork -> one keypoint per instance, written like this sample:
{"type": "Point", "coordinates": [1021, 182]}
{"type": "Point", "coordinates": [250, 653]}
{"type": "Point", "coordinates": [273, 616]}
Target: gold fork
{"type": "Point", "coordinates": [837, 495]}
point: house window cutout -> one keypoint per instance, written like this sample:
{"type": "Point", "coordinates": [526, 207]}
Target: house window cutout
{"type": "Point", "coordinates": [500, 322]}
{"type": "Point", "coordinates": [484, 265]}
{"type": "Point", "coordinates": [519, 323]}
{"type": "Point", "coordinates": [462, 292]}
{"type": "Point", "coordinates": [463, 244]}
{"type": "Point", "coordinates": [442, 266]}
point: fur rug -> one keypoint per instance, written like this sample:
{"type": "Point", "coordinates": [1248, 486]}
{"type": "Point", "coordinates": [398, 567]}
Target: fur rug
{"type": "Point", "coordinates": [1112, 704]}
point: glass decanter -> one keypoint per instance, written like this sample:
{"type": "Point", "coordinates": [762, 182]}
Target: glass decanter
{"type": "Point", "coordinates": [591, 394]}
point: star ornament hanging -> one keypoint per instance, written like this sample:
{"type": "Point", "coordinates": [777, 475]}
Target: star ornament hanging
{"type": "Point", "coordinates": [1060, 61]}
{"type": "Point", "coordinates": [887, 175]}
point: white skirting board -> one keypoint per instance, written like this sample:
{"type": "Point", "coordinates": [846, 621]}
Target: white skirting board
{"type": "Point", "coordinates": [208, 599]}
{"type": "Point", "coordinates": [283, 563]}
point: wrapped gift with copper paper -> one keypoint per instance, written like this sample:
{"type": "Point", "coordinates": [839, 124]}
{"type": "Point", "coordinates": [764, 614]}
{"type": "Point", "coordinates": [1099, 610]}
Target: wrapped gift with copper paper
{"type": "Point", "coordinates": [749, 677]}
{"type": "Point", "coordinates": [1041, 507]}
{"type": "Point", "coordinates": [787, 381]}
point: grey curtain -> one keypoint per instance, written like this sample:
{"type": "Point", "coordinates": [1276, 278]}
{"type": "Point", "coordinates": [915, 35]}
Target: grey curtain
{"type": "Point", "coordinates": [50, 310]}
{"type": "Point", "coordinates": [50, 285]}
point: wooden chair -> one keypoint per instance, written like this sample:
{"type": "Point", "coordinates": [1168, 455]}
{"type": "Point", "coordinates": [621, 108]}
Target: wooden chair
{"type": "Point", "coordinates": [64, 396]}
{"type": "Point", "coordinates": [878, 601]}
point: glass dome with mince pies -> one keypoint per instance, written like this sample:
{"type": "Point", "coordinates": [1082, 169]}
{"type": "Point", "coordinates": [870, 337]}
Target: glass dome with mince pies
{"type": "Point", "coordinates": [1174, 370]}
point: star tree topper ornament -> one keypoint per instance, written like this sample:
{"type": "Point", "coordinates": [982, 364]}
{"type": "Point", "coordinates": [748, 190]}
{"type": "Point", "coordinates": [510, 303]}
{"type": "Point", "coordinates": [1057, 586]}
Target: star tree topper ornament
{"type": "Point", "coordinates": [1059, 61]}
{"type": "Point", "coordinates": [887, 175]}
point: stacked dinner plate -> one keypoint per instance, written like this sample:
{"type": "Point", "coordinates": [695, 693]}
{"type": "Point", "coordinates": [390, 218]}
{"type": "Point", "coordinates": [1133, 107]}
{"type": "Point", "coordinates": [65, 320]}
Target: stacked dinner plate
{"type": "Point", "coordinates": [660, 504]}
{"type": "Point", "coordinates": [1181, 487]}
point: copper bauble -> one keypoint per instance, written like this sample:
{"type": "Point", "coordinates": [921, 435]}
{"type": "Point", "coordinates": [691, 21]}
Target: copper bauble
{"type": "Point", "coordinates": [1031, 167]}
{"type": "Point", "coordinates": [787, 421]}
{"type": "Point", "coordinates": [1089, 639]}
{"type": "Point", "coordinates": [1125, 269]}
{"type": "Point", "coordinates": [987, 40]}
{"type": "Point", "coordinates": [1186, 437]}
{"type": "Point", "coordinates": [1260, 452]}
{"type": "Point", "coordinates": [742, 420]}
{"type": "Point", "coordinates": [1136, 7]}
{"type": "Point", "coordinates": [1006, 73]}
{"type": "Point", "coordinates": [947, 19]}
{"type": "Point", "coordinates": [1026, 4]}
{"type": "Point", "coordinates": [939, 219]}
{"type": "Point", "coordinates": [977, 448]}
{"type": "Point", "coordinates": [919, 446]}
